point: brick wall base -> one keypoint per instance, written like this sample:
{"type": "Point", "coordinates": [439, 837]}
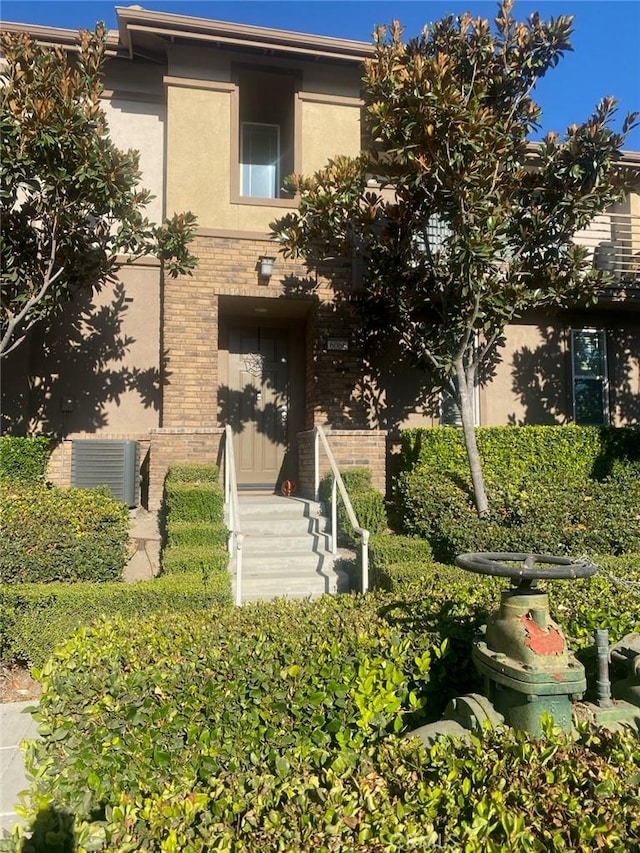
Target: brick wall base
{"type": "Point", "coordinates": [352, 448]}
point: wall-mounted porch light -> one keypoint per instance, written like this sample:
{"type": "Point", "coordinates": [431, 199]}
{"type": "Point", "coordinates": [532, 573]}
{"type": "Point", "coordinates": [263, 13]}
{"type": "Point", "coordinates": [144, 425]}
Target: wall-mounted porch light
{"type": "Point", "coordinates": [266, 266]}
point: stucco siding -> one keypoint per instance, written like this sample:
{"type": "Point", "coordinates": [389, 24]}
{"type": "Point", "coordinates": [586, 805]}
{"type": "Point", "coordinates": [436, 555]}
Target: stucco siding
{"type": "Point", "coordinates": [328, 130]}
{"type": "Point", "coordinates": [198, 166]}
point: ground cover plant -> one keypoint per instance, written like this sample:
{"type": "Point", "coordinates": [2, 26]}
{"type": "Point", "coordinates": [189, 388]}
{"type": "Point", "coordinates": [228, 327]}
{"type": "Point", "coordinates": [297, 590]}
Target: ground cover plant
{"type": "Point", "coordinates": [279, 727]}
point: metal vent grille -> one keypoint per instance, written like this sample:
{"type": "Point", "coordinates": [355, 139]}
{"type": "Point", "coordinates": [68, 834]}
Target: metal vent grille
{"type": "Point", "coordinates": [115, 464]}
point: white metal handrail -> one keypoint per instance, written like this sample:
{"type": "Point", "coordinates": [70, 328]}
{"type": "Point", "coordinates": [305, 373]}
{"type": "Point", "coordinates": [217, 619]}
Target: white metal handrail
{"type": "Point", "coordinates": [233, 512]}
{"type": "Point", "coordinates": [338, 484]}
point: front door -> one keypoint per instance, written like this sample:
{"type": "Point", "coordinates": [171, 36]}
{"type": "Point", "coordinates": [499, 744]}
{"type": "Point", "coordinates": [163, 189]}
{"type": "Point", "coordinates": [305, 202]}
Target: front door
{"type": "Point", "coordinates": [259, 404]}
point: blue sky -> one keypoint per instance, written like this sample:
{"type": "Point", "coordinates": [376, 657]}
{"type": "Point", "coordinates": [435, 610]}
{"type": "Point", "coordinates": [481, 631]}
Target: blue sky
{"type": "Point", "coordinates": [606, 40]}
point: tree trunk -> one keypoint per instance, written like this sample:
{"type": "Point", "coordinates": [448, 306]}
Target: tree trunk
{"type": "Point", "coordinates": [465, 398]}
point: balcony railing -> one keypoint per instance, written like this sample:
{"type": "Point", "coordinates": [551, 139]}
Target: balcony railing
{"type": "Point", "coordinates": [614, 242]}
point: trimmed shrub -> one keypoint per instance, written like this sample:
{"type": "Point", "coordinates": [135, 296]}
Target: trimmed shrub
{"type": "Point", "coordinates": [24, 460]}
{"type": "Point", "coordinates": [193, 501]}
{"type": "Point", "coordinates": [275, 727]}
{"type": "Point", "coordinates": [205, 560]}
{"type": "Point", "coordinates": [36, 617]}
{"type": "Point", "coordinates": [193, 472]}
{"type": "Point", "coordinates": [594, 517]}
{"type": "Point", "coordinates": [194, 533]}
{"type": "Point", "coordinates": [387, 550]}
{"type": "Point", "coordinates": [52, 534]}
{"type": "Point", "coordinates": [570, 453]}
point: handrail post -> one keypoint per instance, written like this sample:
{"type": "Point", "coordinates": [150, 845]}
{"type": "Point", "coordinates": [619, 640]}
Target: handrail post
{"type": "Point", "coordinates": [227, 476]}
{"type": "Point", "coordinates": [334, 515]}
{"type": "Point", "coordinates": [365, 561]}
{"type": "Point", "coordinates": [316, 464]}
{"type": "Point", "coordinates": [239, 542]}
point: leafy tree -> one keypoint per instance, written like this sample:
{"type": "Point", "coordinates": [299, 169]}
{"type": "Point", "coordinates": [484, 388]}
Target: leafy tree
{"type": "Point", "coordinates": [462, 225]}
{"type": "Point", "coordinates": [70, 202]}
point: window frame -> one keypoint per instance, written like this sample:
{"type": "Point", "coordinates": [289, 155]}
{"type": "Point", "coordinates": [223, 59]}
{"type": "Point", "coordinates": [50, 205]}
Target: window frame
{"type": "Point", "coordinates": [277, 177]}
{"type": "Point", "coordinates": [235, 194]}
{"type": "Point", "coordinates": [602, 377]}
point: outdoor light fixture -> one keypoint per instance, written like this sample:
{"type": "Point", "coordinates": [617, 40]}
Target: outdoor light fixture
{"type": "Point", "coordinates": [266, 266]}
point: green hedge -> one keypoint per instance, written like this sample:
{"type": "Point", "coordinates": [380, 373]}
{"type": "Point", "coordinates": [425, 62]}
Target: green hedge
{"type": "Point", "coordinates": [575, 453]}
{"type": "Point", "coordinates": [206, 560]}
{"type": "Point", "coordinates": [51, 534]}
{"type": "Point", "coordinates": [36, 617]}
{"type": "Point", "coordinates": [24, 460]}
{"type": "Point", "coordinates": [594, 517]}
{"type": "Point", "coordinates": [193, 472]}
{"type": "Point", "coordinates": [195, 533]}
{"type": "Point", "coordinates": [368, 504]}
{"type": "Point", "coordinates": [193, 501]}
{"type": "Point", "coordinates": [276, 727]}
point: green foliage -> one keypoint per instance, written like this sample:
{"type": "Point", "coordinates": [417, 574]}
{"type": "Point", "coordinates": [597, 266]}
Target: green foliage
{"type": "Point", "coordinates": [387, 550]}
{"type": "Point", "coordinates": [570, 453]}
{"type": "Point", "coordinates": [275, 727]}
{"type": "Point", "coordinates": [368, 504]}
{"type": "Point", "coordinates": [52, 534]}
{"type": "Point", "coordinates": [196, 501]}
{"type": "Point", "coordinates": [195, 533]}
{"type": "Point", "coordinates": [206, 559]}
{"type": "Point", "coordinates": [593, 517]}
{"type": "Point", "coordinates": [543, 493]}
{"type": "Point", "coordinates": [193, 472]}
{"type": "Point", "coordinates": [70, 201]}
{"type": "Point", "coordinates": [23, 460]}
{"type": "Point", "coordinates": [36, 617]}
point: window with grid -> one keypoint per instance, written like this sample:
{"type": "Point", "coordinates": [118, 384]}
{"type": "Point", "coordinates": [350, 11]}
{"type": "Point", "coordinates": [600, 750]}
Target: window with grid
{"type": "Point", "coordinates": [590, 384]}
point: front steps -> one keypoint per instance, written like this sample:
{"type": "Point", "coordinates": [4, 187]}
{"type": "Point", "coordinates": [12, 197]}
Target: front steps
{"type": "Point", "coordinates": [285, 550]}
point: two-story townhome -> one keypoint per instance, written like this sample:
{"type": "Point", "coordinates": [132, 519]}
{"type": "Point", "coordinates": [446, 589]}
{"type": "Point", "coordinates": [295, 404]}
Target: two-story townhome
{"type": "Point", "coordinates": [221, 113]}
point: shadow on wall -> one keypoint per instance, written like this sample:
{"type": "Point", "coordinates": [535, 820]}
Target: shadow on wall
{"type": "Point", "coordinates": [356, 385]}
{"type": "Point", "coordinates": [87, 347]}
{"type": "Point", "coordinates": [624, 371]}
{"type": "Point", "coordinates": [540, 380]}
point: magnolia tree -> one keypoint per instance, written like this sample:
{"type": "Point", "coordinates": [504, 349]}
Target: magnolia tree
{"type": "Point", "coordinates": [460, 223]}
{"type": "Point", "coordinates": [70, 200]}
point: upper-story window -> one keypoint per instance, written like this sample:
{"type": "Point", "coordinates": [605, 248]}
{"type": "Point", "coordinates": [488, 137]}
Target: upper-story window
{"type": "Point", "coordinates": [266, 127]}
{"type": "Point", "coordinates": [590, 385]}
{"type": "Point", "coordinates": [260, 160]}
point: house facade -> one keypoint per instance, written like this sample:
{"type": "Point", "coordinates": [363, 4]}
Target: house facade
{"type": "Point", "coordinates": [221, 113]}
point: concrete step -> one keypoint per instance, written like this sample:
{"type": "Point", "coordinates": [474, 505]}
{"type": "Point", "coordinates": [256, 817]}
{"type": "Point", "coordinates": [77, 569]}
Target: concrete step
{"type": "Point", "coordinates": [292, 564]}
{"type": "Point", "coordinates": [276, 506]}
{"type": "Point", "coordinates": [284, 550]}
{"type": "Point", "coordinates": [281, 526]}
{"type": "Point", "coordinates": [283, 543]}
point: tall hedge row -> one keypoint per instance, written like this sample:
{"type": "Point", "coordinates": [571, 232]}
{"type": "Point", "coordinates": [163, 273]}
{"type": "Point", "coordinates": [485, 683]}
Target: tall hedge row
{"type": "Point", "coordinates": [556, 490]}
{"type": "Point", "coordinates": [574, 453]}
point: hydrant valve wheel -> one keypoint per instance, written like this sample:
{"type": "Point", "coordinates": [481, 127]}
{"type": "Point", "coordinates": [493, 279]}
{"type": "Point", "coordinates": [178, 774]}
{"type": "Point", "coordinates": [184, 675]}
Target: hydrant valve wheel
{"type": "Point", "coordinates": [526, 566]}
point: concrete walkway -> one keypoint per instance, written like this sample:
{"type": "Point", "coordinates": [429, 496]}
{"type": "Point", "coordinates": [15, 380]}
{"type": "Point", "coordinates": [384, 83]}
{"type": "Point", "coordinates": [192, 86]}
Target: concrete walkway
{"type": "Point", "coordinates": [144, 563]}
{"type": "Point", "coordinates": [15, 726]}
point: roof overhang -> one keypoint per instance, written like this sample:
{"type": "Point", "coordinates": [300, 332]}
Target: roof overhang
{"type": "Point", "coordinates": [145, 32]}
